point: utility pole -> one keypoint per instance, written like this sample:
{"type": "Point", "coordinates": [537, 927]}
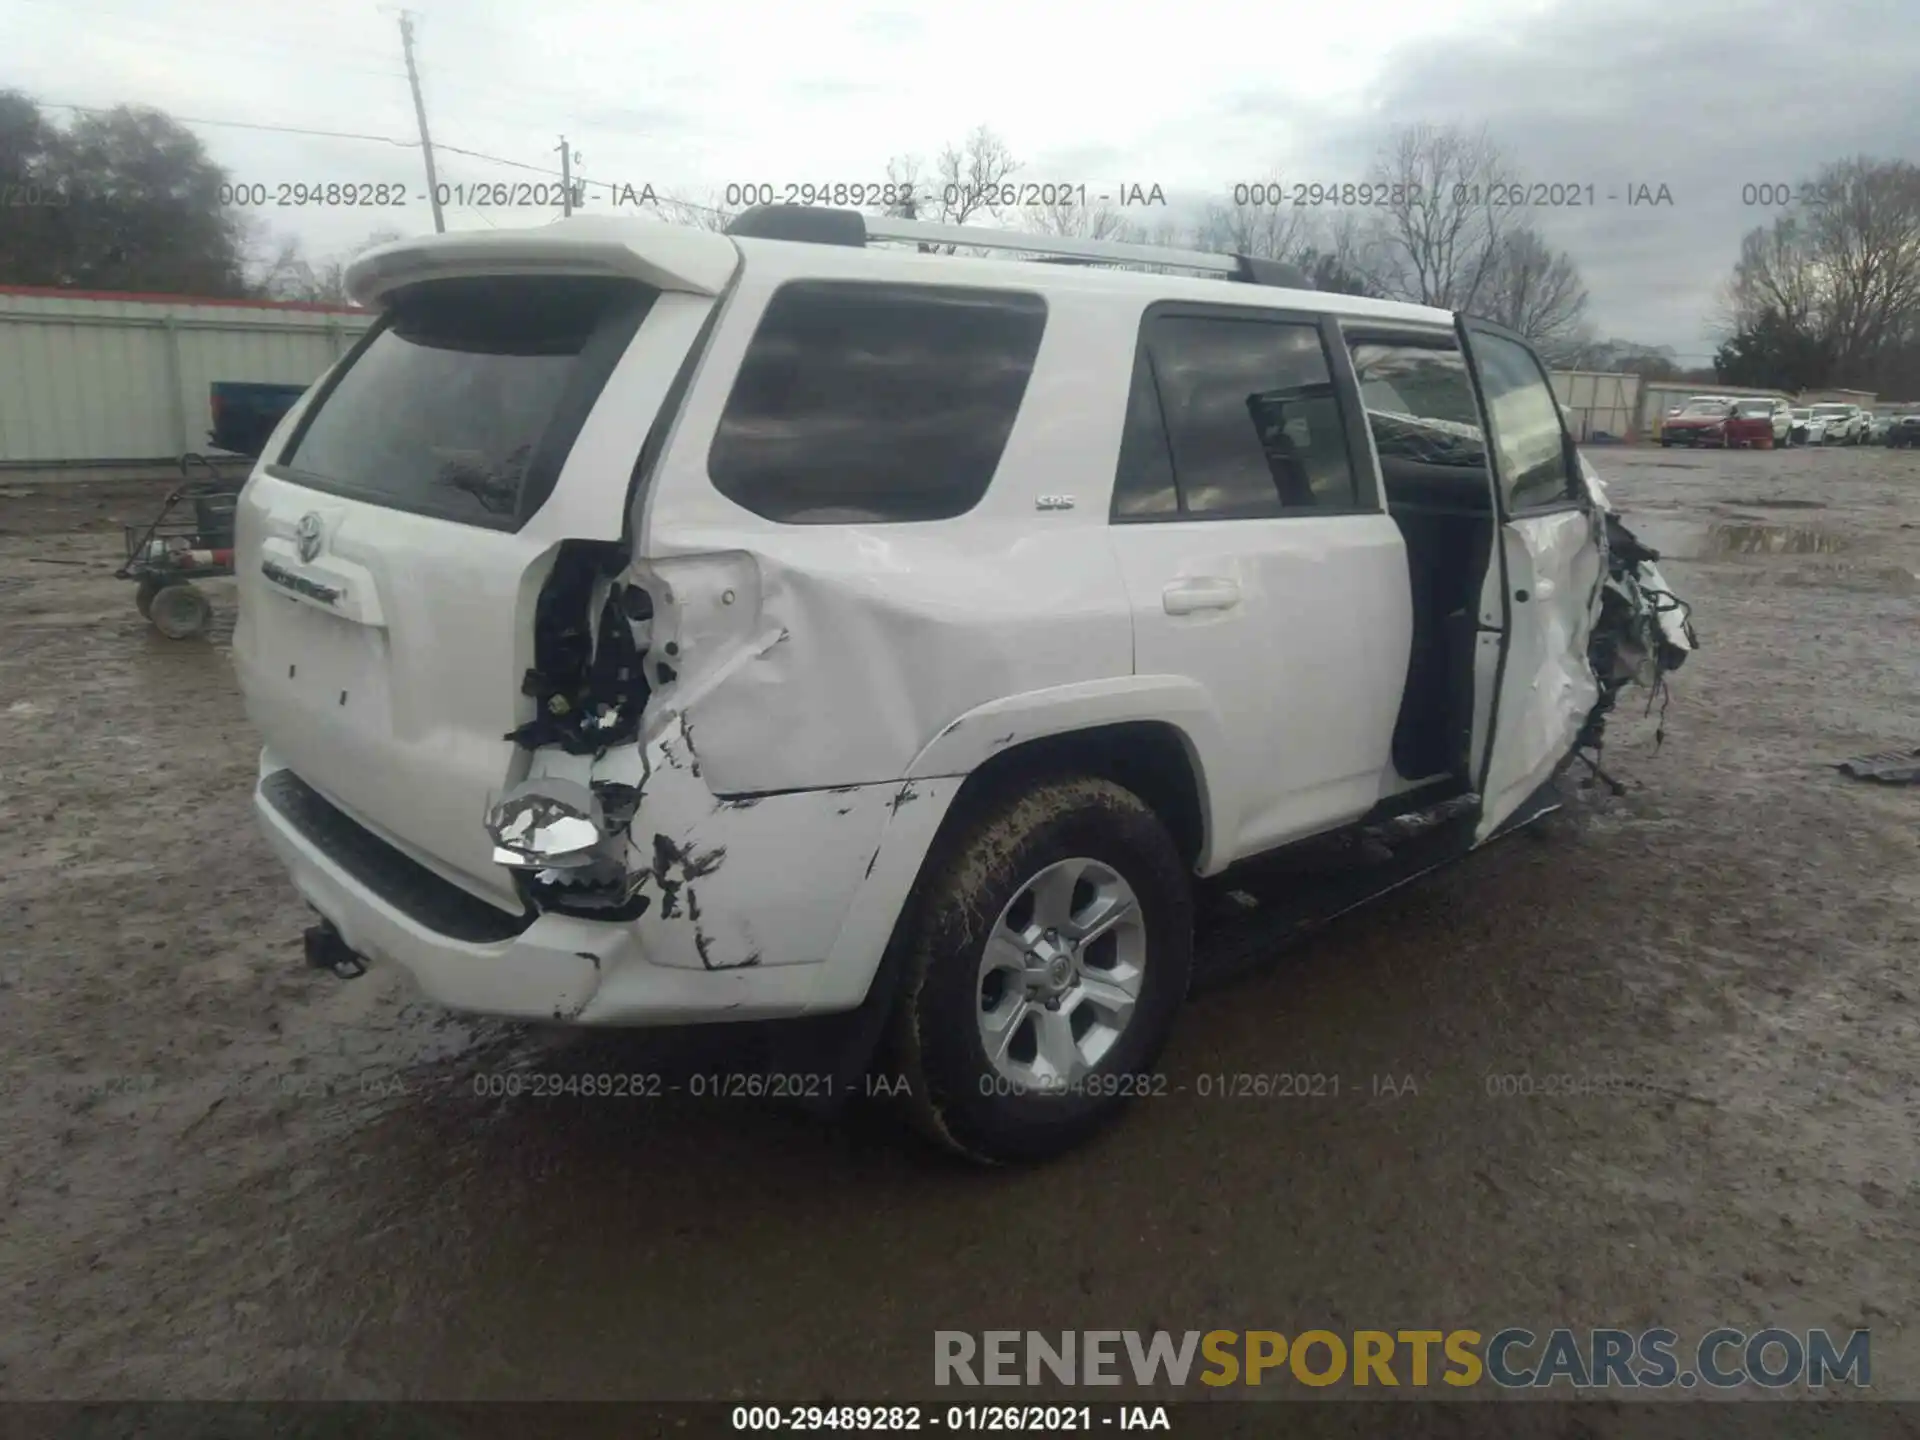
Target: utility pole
{"type": "Point", "coordinates": [567, 157]}
{"type": "Point", "coordinates": [420, 113]}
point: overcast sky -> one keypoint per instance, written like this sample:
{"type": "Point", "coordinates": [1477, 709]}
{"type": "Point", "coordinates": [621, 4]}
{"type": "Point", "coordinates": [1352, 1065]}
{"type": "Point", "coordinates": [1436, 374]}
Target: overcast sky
{"type": "Point", "coordinates": [1701, 96]}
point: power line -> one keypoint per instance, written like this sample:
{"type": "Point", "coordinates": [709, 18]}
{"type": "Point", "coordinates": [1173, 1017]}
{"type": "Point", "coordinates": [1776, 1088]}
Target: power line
{"type": "Point", "coordinates": [439, 145]}
{"type": "Point", "coordinates": [243, 125]}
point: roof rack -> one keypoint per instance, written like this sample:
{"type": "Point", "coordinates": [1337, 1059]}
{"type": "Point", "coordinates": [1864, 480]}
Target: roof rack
{"type": "Point", "coordinates": [820, 225]}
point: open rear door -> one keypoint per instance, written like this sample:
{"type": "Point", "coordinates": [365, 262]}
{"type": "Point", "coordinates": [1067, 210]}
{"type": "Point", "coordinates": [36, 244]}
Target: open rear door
{"type": "Point", "coordinates": [1543, 587]}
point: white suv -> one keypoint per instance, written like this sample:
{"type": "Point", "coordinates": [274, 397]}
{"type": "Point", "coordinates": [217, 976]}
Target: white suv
{"type": "Point", "coordinates": [1837, 424]}
{"type": "Point", "coordinates": [650, 626]}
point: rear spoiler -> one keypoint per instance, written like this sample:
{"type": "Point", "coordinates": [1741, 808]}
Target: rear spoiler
{"type": "Point", "coordinates": [668, 257]}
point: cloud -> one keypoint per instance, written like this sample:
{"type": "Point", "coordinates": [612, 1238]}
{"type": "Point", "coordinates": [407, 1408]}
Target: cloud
{"type": "Point", "coordinates": [1702, 97]}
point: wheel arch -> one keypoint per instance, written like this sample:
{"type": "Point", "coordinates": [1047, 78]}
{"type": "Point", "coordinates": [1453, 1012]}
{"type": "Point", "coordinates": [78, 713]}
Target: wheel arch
{"type": "Point", "coordinates": [1159, 736]}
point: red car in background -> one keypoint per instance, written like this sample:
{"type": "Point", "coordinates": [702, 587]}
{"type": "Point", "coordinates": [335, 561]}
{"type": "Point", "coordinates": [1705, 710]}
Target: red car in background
{"type": "Point", "coordinates": [1701, 421]}
{"type": "Point", "coordinates": [1760, 424]}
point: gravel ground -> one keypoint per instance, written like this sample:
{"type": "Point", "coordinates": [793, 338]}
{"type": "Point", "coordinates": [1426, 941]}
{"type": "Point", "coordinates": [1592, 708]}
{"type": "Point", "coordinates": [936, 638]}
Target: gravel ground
{"type": "Point", "coordinates": [222, 1175]}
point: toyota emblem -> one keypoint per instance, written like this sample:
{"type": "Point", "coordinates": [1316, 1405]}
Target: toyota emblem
{"type": "Point", "coordinates": [307, 533]}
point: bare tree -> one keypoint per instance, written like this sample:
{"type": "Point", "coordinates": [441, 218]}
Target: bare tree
{"type": "Point", "coordinates": [708, 216]}
{"type": "Point", "coordinates": [1536, 292]}
{"type": "Point", "coordinates": [907, 183]}
{"type": "Point", "coordinates": [1437, 241]}
{"type": "Point", "coordinates": [1776, 274]}
{"type": "Point", "coordinates": [1866, 228]}
{"type": "Point", "coordinates": [1840, 272]}
{"type": "Point", "coordinates": [1095, 220]}
{"type": "Point", "coordinates": [281, 270]}
{"type": "Point", "coordinates": [1164, 231]}
{"type": "Point", "coordinates": [1329, 249]}
{"type": "Point", "coordinates": [973, 176]}
{"type": "Point", "coordinates": [1650, 362]}
{"type": "Point", "coordinates": [970, 181]}
{"type": "Point", "coordinates": [1265, 232]}
{"type": "Point", "coordinates": [276, 265]}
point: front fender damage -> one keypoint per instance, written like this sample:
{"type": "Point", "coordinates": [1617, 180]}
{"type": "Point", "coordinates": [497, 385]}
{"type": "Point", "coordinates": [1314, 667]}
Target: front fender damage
{"type": "Point", "coordinates": [1641, 634]}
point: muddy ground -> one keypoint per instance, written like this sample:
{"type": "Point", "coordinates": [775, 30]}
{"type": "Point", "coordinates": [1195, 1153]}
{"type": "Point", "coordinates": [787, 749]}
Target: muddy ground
{"type": "Point", "coordinates": [223, 1175]}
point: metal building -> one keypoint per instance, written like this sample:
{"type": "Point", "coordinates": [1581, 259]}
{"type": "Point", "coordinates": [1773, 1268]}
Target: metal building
{"type": "Point", "coordinates": [93, 377]}
{"type": "Point", "coordinates": [1599, 404]}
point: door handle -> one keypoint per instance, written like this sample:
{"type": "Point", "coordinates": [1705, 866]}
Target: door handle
{"type": "Point", "coordinates": [1184, 597]}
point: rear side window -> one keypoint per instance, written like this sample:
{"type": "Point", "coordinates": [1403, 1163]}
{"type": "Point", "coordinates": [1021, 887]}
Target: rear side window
{"type": "Point", "coordinates": [465, 400]}
{"type": "Point", "coordinates": [1247, 413]}
{"type": "Point", "coordinates": [872, 403]}
{"type": "Point", "coordinates": [1144, 485]}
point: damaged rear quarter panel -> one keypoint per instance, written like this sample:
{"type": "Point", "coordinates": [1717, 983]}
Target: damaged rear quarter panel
{"type": "Point", "coordinates": [846, 647]}
{"type": "Point", "coordinates": [750, 881]}
{"type": "Point", "coordinates": [867, 641]}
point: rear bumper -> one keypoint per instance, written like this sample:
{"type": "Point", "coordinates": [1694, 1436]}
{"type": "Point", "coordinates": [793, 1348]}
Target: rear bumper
{"type": "Point", "coordinates": [469, 955]}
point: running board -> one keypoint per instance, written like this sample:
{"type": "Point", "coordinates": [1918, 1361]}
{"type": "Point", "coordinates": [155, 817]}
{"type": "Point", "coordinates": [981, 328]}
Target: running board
{"type": "Point", "coordinates": [1413, 824]}
{"type": "Point", "coordinates": [1251, 915]}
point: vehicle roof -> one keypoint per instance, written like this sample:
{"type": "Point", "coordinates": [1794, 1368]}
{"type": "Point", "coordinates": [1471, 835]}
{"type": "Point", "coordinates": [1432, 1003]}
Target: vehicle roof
{"type": "Point", "coordinates": [907, 264]}
{"type": "Point", "coordinates": [679, 257]}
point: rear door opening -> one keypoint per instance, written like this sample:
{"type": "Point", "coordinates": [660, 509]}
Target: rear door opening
{"type": "Point", "coordinates": [1435, 472]}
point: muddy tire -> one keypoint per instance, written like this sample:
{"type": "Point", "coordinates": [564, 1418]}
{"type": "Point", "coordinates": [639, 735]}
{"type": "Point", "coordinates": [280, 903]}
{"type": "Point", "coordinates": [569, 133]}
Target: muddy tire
{"type": "Point", "coordinates": [143, 593]}
{"type": "Point", "coordinates": [1054, 910]}
{"type": "Point", "coordinates": [179, 612]}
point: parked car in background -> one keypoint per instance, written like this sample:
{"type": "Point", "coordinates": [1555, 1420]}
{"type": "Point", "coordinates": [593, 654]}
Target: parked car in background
{"type": "Point", "coordinates": [246, 412]}
{"type": "Point", "coordinates": [1701, 421]}
{"type": "Point", "coordinates": [1802, 418]}
{"type": "Point", "coordinates": [1904, 433]}
{"type": "Point", "coordinates": [1878, 423]}
{"type": "Point", "coordinates": [1759, 424]}
{"type": "Point", "coordinates": [1838, 424]}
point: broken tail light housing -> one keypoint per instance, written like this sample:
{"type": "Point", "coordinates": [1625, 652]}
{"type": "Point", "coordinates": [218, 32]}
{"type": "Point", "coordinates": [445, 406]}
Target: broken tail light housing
{"type": "Point", "coordinates": [563, 841]}
{"type": "Point", "coordinates": [547, 824]}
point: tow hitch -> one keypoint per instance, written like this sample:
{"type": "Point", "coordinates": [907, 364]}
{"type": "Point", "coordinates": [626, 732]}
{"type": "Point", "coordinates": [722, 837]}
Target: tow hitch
{"type": "Point", "coordinates": [326, 950]}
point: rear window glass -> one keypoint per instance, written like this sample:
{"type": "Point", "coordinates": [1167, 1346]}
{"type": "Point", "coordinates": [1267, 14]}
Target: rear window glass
{"type": "Point", "coordinates": [465, 401]}
{"type": "Point", "coordinates": [865, 403]}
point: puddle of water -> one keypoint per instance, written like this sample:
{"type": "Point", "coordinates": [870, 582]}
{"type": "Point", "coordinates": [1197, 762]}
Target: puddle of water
{"type": "Point", "coordinates": [1735, 538]}
{"type": "Point", "coordinates": [1696, 540]}
{"type": "Point", "coordinates": [1879, 579]}
{"type": "Point", "coordinates": [1776, 504]}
